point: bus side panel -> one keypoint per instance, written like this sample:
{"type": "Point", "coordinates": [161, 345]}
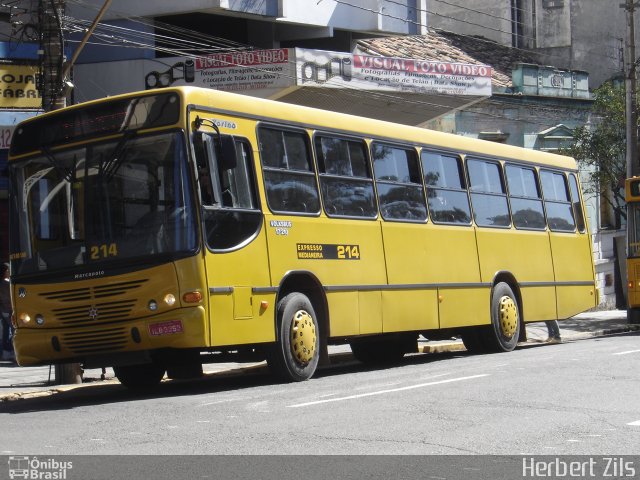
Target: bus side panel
{"type": "Point", "coordinates": [437, 256]}
{"type": "Point", "coordinates": [236, 316]}
{"type": "Point", "coordinates": [538, 303]}
{"type": "Point", "coordinates": [573, 263]}
{"type": "Point", "coordinates": [462, 307]}
{"type": "Point", "coordinates": [345, 313]}
{"type": "Point", "coordinates": [351, 310]}
{"type": "Point", "coordinates": [409, 310]}
{"type": "Point", "coordinates": [527, 256]}
{"type": "Point", "coordinates": [370, 306]}
{"type": "Point", "coordinates": [341, 253]}
{"type": "Point", "coordinates": [407, 254]}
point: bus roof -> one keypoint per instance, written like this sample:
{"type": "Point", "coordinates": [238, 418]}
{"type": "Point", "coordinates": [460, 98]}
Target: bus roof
{"type": "Point", "coordinates": [325, 119]}
{"type": "Point", "coordinates": [271, 110]}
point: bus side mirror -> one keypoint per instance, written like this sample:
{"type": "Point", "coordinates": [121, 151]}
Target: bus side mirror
{"type": "Point", "coordinates": [228, 152]}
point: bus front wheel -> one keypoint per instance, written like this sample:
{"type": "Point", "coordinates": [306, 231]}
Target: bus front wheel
{"type": "Point", "coordinates": [294, 357]}
{"type": "Point", "coordinates": [505, 319]}
{"type": "Point", "coordinates": [139, 377]}
{"type": "Point", "coordinates": [633, 316]}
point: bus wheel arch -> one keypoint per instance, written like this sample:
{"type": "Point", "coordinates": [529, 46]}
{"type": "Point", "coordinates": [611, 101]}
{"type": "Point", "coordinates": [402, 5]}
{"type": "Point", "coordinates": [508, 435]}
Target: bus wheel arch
{"type": "Point", "coordinates": [301, 328]}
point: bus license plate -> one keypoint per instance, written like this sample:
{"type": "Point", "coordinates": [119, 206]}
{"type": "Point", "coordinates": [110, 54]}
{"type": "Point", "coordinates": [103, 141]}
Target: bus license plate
{"type": "Point", "coordinates": [166, 328]}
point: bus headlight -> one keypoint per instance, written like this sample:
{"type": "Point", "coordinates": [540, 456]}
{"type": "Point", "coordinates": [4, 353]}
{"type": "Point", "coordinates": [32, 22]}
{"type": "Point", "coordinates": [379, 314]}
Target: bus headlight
{"type": "Point", "coordinates": [24, 319]}
{"type": "Point", "coordinates": [153, 305]}
{"type": "Point", "coordinates": [39, 319]}
{"type": "Point", "coordinates": [169, 299]}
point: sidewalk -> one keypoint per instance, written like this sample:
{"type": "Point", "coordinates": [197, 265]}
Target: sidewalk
{"type": "Point", "coordinates": [26, 382]}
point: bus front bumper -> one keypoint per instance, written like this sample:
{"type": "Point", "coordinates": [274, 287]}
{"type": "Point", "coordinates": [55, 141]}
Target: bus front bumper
{"type": "Point", "coordinates": [178, 329]}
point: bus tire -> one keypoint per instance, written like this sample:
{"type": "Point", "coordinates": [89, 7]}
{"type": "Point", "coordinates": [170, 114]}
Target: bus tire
{"type": "Point", "coordinates": [383, 351]}
{"type": "Point", "coordinates": [505, 319]}
{"type": "Point", "coordinates": [296, 353]}
{"type": "Point", "coordinates": [139, 377]}
{"type": "Point", "coordinates": [633, 316]}
{"type": "Point", "coordinates": [473, 339]}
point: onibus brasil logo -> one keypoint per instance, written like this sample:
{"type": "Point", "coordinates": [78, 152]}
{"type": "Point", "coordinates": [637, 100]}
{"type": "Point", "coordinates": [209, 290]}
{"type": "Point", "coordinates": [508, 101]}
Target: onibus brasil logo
{"type": "Point", "coordinates": [36, 469]}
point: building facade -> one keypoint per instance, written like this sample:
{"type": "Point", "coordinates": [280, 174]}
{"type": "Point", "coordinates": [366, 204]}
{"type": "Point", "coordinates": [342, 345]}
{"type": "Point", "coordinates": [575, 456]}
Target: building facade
{"type": "Point", "coordinates": [569, 34]}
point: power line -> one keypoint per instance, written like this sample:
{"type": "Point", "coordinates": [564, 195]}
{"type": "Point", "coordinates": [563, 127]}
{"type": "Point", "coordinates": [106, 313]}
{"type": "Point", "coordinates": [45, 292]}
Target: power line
{"type": "Point", "coordinates": [146, 41]}
{"type": "Point", "coordinates": [474, 37]}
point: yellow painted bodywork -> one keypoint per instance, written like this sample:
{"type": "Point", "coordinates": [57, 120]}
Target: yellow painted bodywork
{"type": "Point", "coordinates": [407, 277]}
{"type": "Point", "coordinates": [571, 299]}
{"type": "Point", "coordinates": [633, 274]}
{"type": "Point", "coordinates": [34, 343]}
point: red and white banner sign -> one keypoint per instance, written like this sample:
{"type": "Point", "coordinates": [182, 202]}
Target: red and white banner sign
{"type": "Point", "coordinates": [252, 70]}
{"type": "Point", "coordinates": [340, 70]}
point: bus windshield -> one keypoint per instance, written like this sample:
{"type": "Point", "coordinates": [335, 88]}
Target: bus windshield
{"type": "Point", "coordinates": [121, 199]}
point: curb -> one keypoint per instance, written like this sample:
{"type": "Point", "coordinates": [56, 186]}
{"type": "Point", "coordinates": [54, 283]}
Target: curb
{"type": "Point", "coordinates": [443, 348]}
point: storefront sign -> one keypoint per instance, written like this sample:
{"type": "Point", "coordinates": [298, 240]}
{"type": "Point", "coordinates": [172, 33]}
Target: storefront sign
{"type": "Point", "coordinates": [251, 70]}
{"type": "Point", "coordinates": [18, 87]}
{"type": "Point", "coordinates": [342, 70]}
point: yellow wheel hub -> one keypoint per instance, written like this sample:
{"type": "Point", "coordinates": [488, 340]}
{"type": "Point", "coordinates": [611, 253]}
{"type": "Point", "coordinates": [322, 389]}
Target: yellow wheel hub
{"type": "Point", "coordinates": [508, 316]}
{"type": "Point", "coordinates": [303, 337]}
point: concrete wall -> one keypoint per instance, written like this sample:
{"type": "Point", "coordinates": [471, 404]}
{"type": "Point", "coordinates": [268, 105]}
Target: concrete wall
{"type": "Point", "coordinates": [492, 19]}
{"type": "Point", "coordinates": [570, 34]}
{"type": "Point", "coordinates": [583, 35]}
{"type": "Point", "coordinates": [603, 253]}
{"type": "Point", "coordinates": [376, 16]}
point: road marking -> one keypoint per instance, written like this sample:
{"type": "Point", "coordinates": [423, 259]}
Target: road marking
{"type": "Point", "coordinates": [634, 424]}
{"type": "Point", "coordinates": [392, 390]}
{"type": "Point", "coordinates": [626, 353]}
{"type": "Point", "coordinates": [226, 400]}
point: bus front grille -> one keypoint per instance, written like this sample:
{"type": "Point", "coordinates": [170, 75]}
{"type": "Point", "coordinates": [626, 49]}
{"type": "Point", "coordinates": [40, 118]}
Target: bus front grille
{"type": "Point", "coordinates": [103, 340]}
{"type": "Point", "coordinates": [88, 294]}
{"type": "Point", "coordinates": [95, 314]}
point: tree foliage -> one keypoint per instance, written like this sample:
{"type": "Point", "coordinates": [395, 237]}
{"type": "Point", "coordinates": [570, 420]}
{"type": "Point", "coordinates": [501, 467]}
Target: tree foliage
{"type": "Point", "coordinates": [599, 148]}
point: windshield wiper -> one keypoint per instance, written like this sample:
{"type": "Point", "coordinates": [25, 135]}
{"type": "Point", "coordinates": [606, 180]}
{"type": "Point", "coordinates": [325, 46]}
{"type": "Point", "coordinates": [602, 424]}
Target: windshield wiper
{"type": "Point", "coordinates": [110, 166]}
{"type": "Point", "coordinates": [68, 174]}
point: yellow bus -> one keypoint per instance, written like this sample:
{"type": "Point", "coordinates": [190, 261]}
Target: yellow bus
{"type": "Point", "coordinates": [632, 197]}
{"type": "Point", "coordinates": [153, 231]}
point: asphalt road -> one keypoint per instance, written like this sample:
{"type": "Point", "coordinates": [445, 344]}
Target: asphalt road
{"type": "Point", "coordinates": [575, 398]}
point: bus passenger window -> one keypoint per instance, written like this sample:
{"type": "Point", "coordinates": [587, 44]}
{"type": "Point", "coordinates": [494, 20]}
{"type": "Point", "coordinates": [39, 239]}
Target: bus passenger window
{"type": "Point", "coordinates": [556, 201]}
{"type": "Point", "coordinates": [488, 195]}
{"type": "Point", "coordinates": [345, 178]}
{"type": "Point", "coordinates": [577, 205]}
{"type": "Point", "coordinates": [446, 190]}
{"type": "Point", "coordinates": [400, 191]}
{"type": "Point", "coordinates": [526, 200]}
{"type": "Point", "coordinates": [289, 175]}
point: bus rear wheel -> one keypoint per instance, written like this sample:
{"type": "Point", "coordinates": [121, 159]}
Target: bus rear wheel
{"type": "Point", "coordinates": [383, 351]}
{"type": "Point", "coordinates": [473, 339]}
{"type": "Point", "coordinates": [505, 320]}
{"type": "Point", "coordinates": [139, 377]}
{"type": "Point", "coordinates": [296, 353]}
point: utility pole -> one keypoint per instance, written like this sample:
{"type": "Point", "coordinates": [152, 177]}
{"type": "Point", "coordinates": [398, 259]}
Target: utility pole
{"type": "Point", "coordinates": [50, 13]}
{"type": "Point", "coordinates": [52, 84]}
{"type": "Point", "coordinates": [633, 166]}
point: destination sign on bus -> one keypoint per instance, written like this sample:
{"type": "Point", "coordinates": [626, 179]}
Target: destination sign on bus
{"type": "Point", "coordinates": [107, 118]}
